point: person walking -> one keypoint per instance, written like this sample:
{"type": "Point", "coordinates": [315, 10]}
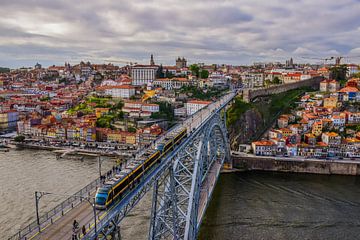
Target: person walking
{"type": "Point", "coordinates": [83, 230]}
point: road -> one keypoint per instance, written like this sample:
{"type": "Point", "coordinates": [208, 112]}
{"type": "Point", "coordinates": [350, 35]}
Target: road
{"type": "Point", "coordinates": [83, 213]}
{"type": "Point", "coordinates": [295, 159]}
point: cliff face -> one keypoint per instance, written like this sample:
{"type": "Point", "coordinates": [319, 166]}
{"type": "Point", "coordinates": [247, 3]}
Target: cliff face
{"type": "Point", "coordinates": [245, 128]}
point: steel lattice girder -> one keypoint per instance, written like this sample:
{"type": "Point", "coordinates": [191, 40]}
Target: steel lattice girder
{"type": "Point", "coordinates": [175, 208]}
{"type": "Point", "coordinates": [176, 185]}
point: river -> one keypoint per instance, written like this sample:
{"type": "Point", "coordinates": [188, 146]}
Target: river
{"type": "Point", "coordinates": [22, 172]}
{"type": "Point", "coordinates": [246, 205]}
{"type": "Point", "coordinates": [282, 206]}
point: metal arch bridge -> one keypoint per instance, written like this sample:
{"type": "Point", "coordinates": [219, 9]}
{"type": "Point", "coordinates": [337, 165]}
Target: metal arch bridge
{"type": "Point", "coordinates": [182, 184]}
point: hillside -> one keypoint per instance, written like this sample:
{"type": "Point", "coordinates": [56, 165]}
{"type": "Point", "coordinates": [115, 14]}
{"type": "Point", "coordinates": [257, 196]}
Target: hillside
{"type": "Point", "coordinates": [247, 122]}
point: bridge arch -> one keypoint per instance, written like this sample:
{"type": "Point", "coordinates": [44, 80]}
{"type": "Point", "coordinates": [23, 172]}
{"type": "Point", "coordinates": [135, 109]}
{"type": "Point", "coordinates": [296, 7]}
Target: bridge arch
{"type": "Point", "coordinates": [187, 190]}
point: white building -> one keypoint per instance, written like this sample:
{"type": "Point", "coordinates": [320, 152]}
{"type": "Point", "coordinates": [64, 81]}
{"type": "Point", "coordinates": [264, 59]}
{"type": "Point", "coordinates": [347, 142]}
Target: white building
{"type": "Point", "coordinates": [150, 107]}
{"type": "Point", "coordinates": [122, 91]}
{"type": "Point", "coordinates": [195, 105]}
{"type": "Point", "coordinates": [140, 107]}
{"type": "Point", "coordinates": [172, 83]}
{"type": "Point", "coordinates": [264, 148]}
{"type": "Point", "coordinates": [218, 79]}
{"type": "Point", "coordinates": [180, 112]}
{"type": "Point", "coordinates": [143, 74]}
{"type": "Point", "coordinates": [251, 80]}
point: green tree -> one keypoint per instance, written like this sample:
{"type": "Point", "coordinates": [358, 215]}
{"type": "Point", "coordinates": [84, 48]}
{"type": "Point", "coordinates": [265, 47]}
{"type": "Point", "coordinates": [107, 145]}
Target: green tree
{"type": "Point", "coordinates": [132, 129]}
{"type": "Point", "coordinates": [19, 138]}
{"type": "Point", "coordinates": [276, 80]}
{"type": "Point", "coordinates": [160, 72]}
{"type": "Point", "coordinates": [356, 75]}
{"type": "Point", "coordinates": [120, 115]}
{"type": "Point", "coordinates": [194, 68]}
{"type": "Point", "coordinates": [338, 72]}
{"type": "Point", "coordinates": [267, 82]}
{"type": "Point", "coordinates": [204, 74]}
{"type": "Point", "coordinates": [118, 106]}
{"type": "Point", "coordinates": [169, 74]}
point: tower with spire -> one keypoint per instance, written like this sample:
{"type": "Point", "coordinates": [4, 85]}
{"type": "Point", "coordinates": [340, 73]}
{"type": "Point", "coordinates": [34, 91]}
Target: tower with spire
{"type": "Point", "coordinates": [152, 63]}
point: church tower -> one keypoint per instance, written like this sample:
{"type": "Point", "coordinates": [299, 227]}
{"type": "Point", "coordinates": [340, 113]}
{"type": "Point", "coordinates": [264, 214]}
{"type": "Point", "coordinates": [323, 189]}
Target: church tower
{"type": "Point", "coordinates": [152, 60]}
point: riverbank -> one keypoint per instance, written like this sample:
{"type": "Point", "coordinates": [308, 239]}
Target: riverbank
{"type": "Point", "coordinates": [249, 162]}
{"type": "Point", "coordinates": [71, 151]}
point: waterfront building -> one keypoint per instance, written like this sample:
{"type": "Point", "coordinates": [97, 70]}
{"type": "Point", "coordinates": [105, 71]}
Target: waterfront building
{"type": "Point", "coordinates": [331, 138]}
{"type": "Point", "coordinates": [264, 148]}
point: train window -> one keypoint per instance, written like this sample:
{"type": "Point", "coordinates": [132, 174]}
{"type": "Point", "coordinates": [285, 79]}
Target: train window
{"type": "Point", "coordinates": [111, 195]}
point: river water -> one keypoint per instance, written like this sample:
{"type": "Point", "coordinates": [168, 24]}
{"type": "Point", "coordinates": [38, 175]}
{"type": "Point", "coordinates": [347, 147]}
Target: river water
{"type": "Point", "coordinates": [282, 206]}
{"type": "Point", "coordinates": [22, 172]}
{"type": "Point", "coordinates": [246, 205]}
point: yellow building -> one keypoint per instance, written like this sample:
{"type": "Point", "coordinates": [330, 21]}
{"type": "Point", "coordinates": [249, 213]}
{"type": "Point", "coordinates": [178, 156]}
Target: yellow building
{"type": "Point", "coordinates": [51, 133]}
{"type": "Point", "coordinates": [317, 128]}
{"type": "Point", "coordinates": [330, 102]}
{"type": "Point", "coordinates": [130, 138]}
{"type": "Point", "coordinates": [101, 111]}
{"type": "Point", "coordinates": [285, 132]}
{"type": "Point", "coordinates": [3, 119]}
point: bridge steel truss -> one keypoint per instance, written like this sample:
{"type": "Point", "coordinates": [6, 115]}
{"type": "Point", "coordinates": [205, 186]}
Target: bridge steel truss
{"type": "Point", "coordinates": [180, 200]}
{"type": "Point", "coordinates": [179, 183]}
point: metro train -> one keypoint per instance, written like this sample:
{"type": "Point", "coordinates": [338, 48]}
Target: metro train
{"type": "Point", "coordinates": [117, 187]}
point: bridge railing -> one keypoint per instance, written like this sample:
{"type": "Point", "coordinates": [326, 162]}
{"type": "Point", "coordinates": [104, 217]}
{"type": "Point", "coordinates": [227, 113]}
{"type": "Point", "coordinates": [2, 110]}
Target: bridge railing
{"type": "Point", "coordinates": [51, 216]}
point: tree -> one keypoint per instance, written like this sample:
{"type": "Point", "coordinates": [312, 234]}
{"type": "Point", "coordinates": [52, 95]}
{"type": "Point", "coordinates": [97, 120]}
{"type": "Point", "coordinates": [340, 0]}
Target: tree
{"type": "Point", "coordinates": [119, 105]}
{"type": "Point", "coordinates": [267, 82]}
{"type": "Point", "coordinates": [132, 129]}
{"type": "Point", "coordinates": [356, 75]}
{"type": "Point", "coordinates": [19, 138]}
{"type": "Point", "coordinates": [160, 72]}
{"type": "Point", "coordinates": [169, 74]}
{"type": "Point", "coordinates": [338, 72]}
{"type": "Point", "coordinates": [204, 74]}
{"type": "Point", "coordinates": [276, 80]}
{"type": "Point", "coordinates": [120, 115]}
{"type": "Point", "coordinates": [194, 68]}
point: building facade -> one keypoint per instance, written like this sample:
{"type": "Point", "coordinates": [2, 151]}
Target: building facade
{"type": "Point", "coordinates": [143, 74]}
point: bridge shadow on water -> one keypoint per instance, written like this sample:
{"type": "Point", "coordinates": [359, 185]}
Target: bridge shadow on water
{"type": "Point", "coordinates": [282, 206]}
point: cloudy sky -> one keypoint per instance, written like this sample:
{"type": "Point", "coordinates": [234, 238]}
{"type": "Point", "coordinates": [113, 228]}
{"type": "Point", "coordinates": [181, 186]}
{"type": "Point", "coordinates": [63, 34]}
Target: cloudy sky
{"type": "Point", "coordinates": [211, 31]}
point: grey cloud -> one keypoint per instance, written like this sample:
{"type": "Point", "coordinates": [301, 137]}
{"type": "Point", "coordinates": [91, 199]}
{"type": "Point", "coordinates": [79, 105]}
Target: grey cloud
{"type": "Point", "coordinates": [215, 31]}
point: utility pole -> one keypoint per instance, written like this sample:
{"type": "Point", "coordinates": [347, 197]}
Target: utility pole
{"type": "Point", "coordinates": [38, 195]}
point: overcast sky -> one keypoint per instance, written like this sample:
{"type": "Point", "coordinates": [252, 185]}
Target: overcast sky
{"type": "Point", "coordinates": [210, 31]}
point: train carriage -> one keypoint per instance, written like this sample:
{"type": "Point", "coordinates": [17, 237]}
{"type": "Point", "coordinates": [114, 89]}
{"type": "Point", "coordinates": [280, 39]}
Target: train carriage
{"type": "Point", "coordinates": [129, 177]}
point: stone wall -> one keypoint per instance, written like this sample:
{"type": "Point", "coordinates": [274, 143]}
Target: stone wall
{"type": "Point", "coordinates": [251, 94]}
{"type": "Point", "coordinates": [296, 166]}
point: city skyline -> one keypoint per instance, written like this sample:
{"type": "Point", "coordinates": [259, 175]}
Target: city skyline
{"type": "Point", "coordinates": [233, 32]}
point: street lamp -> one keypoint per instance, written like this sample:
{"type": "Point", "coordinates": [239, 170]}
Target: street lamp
{"type": "Point", "coordinates": [38, 195]}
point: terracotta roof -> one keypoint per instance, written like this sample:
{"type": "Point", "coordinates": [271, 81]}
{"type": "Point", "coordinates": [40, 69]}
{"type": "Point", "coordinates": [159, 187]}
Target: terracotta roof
{"type": "Point", "coordinates": [349, 89]}
{"type": "Point", "coordinates": [199, 102]}
{"type": "Point", "coordinates": [264, 143]}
